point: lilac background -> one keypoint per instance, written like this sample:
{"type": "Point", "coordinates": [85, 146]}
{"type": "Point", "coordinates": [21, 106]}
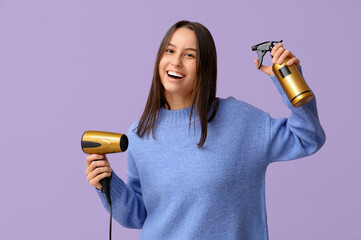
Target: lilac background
{"type": "Point", "coordinates": [74, 65]}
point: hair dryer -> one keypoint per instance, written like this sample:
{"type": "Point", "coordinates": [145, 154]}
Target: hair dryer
{"type": "Point", "coordinates": [289, 77]}
{"type": "Point", "coordinates": [103, 143]}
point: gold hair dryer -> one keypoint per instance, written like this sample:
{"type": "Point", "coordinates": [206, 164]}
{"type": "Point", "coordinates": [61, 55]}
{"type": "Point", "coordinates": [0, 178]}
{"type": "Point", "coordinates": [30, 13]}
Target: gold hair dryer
{"type": "Point", "coordinates": [289, 77]}
{"type": "Point", "coordinates": [103, 143]}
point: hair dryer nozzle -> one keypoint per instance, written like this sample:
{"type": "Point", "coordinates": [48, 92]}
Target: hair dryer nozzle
{"type": "Point", "coordinates": [124, 143]}
{"type": "Point", "coordinates": [103, 142]}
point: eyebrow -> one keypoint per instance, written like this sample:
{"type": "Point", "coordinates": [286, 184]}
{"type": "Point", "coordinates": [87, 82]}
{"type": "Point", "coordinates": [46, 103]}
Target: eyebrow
{"type": "Point", "coordinates": [192, 49]}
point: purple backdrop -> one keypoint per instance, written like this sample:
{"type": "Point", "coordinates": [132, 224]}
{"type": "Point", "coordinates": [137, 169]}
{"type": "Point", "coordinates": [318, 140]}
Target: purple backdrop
{"type": "Point", "coordinates": [74, 65]}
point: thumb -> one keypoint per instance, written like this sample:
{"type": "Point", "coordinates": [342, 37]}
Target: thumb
{"type": "Point", "coordinates": [263, 68]}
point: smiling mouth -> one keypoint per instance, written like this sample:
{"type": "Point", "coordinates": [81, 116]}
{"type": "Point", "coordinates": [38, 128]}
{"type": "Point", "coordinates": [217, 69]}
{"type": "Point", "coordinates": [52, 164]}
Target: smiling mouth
{"type": "Point", "coordinates": [175, 75]}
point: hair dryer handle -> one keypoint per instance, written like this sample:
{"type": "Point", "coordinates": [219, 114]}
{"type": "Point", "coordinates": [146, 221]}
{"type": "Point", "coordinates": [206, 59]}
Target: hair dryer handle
{"type": "Point", "coordinates": [105, 182]}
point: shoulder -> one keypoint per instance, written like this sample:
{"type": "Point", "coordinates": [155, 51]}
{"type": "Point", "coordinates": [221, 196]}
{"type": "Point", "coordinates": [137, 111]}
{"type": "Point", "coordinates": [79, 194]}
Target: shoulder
{"type": "Point", "coordinates": [236, 107]}
{"type": "Point", "coordinates": [133, 137]}
{"type": "Point", "coordinates": [241, 121]}
{"type": "Point", "coordinates": [232, 102]}
{"type": "Point", "coordinates": [133, 128]}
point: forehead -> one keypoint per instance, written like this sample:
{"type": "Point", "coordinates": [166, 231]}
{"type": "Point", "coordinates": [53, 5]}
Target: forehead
{"type": "Point", "coordinates": [184, 38]}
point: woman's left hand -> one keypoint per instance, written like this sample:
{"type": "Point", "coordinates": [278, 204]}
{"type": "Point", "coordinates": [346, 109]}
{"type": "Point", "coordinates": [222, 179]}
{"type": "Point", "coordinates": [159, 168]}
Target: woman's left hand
{"type": "Point", "coordinates": [279, 55]}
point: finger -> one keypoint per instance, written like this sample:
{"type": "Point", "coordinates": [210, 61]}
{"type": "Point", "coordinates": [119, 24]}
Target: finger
{"type": "Point", "coordinates": [275, 48]}
{"type": "Point", "coordinates": [95, 181]}
{"type": "Point", "coordinates": [286, 53]}
{"type": "Point", "coordinates": [92, 157]}
{"type": "Point", "coordinates": [277, 54]}
{"type": "Point", "coordinates": [96, 164]}
{"type": "Point", "coordinates": [263, 68]}
{"type": "Point", "coordinates": [98, 186]}
{"type": "Point", "coordinates": [295, 61]}
{"type": "Point", "coordinates": [98, 171]}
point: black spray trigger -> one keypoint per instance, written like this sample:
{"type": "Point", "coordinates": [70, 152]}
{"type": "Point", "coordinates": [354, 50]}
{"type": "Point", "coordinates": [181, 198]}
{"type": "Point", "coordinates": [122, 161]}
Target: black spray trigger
{"type": "Point", "coordinates": [260, 58]}
{"type": "Point", "coordinates": [262, 48]}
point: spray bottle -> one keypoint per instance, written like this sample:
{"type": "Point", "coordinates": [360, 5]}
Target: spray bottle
{"type": "Point", "coordinates": [289, 77]}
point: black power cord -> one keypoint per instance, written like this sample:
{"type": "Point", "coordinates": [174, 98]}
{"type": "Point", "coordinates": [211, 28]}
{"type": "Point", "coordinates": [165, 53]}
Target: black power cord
{"type": "Point", "coordinates": [105, 182]}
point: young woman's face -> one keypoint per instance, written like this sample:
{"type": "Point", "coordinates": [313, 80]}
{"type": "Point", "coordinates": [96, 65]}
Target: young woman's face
{"type": "Point", "coordinates": [178, 65]}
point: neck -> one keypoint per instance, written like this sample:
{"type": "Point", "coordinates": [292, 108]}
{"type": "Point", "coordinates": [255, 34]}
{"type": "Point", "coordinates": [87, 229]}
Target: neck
{"type": "Point", "coordinates": [178, 102]}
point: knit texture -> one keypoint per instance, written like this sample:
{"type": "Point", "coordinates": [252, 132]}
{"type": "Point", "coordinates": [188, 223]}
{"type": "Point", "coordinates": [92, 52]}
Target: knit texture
{"type": "Point", "coordinates": [177, 191]}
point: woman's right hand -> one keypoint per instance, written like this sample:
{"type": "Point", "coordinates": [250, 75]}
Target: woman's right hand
{"type": "Point", "coordinates": [279, 55]}
{"type": "Point", "coordinates": [97, 168]}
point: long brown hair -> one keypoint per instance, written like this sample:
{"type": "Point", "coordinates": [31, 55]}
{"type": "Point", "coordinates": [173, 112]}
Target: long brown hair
{"type": "Point", "coordinates": [205, 88]}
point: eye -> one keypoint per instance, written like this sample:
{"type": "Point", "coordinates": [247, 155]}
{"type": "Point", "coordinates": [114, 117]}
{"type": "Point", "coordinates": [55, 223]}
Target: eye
{"type": "Point", "coordinates": [169, 50]}
{"type": "Point", "coordinates": [189, 55]}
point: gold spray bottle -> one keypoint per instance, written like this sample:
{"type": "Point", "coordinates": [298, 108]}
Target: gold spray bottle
{"type": "Point", "coordinates": [289, 77]}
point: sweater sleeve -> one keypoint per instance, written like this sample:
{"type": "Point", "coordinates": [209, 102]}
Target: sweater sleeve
{"type": "Point", "coordinates": [298, 136]}
{"type": "Point", "coordinates": [127, 202]}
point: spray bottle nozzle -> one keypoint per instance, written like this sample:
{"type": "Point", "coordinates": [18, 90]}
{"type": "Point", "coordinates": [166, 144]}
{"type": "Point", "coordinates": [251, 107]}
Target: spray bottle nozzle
{"type": "Point", "coordinates": [262, 48]}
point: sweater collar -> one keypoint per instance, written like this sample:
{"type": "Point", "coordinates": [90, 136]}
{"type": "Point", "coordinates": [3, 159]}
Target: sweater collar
{"type": "Point", "coordinates": [181, 116]}
{"type": "Point", "coordinates": [177, 117]}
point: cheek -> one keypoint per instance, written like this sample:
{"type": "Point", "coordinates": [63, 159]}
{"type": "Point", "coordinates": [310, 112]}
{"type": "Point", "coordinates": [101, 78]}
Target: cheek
{"type": "Point", "coordinates": [161, 72]}
{"type": "Point", "coordinates": [193, 71]}
{"type": "Point", "coordinates": [161, 67]}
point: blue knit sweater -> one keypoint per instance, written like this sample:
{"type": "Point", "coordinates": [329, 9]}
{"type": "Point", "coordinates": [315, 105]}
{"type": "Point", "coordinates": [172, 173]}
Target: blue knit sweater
{"type": "Point", "coordinates": [176, 191]}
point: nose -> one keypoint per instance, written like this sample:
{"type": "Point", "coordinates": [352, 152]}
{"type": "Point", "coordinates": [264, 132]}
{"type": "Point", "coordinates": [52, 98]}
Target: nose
{"type": "Point", "coordinates": [176, 61]}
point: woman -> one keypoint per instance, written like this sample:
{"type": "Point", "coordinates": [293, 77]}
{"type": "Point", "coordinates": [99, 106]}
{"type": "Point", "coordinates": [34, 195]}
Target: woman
{"type": "Point", "coordinates": [201, 173]}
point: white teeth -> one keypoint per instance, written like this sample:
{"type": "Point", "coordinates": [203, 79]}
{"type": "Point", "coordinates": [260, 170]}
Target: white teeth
{"type": "Point", "coordinates": [174, 74]}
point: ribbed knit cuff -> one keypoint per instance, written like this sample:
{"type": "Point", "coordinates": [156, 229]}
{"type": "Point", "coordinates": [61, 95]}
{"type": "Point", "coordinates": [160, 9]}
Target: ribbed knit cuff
{"type": "Point", "coordinates": [117, 185]}
{"type": "Point", "coordinates": [283, 94]}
